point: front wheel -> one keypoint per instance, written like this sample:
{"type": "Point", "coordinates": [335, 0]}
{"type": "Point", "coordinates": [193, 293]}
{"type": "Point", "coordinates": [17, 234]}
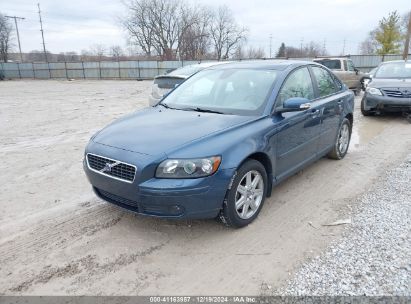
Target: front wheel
{"type": "Point", "coordinates": [342, 141]}
{"type": "Point", "coordinates": [246, 197]}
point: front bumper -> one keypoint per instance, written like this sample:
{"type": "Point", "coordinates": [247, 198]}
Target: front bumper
{"type": "Point", "coordinates": [386, 103]}
{"type": "Point", "coordinates": [166, 198]}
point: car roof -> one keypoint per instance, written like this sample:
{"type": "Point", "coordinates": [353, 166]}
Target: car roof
{"type": "Point", "coordinates": [274, 64]}
{"type": "Point", "coordinates": [195, 68]}
{"type": "Point", "coordinates": [396, 61]}
{"type": "Point", "coordinates": [331, 58]}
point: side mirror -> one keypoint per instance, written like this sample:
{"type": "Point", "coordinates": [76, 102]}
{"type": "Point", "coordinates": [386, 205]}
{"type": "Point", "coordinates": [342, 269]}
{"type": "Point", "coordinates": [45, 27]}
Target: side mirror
{"type": "Point", "coordinates": [294, 104]}
{"type": "Point", "coordinates": [356, 71]}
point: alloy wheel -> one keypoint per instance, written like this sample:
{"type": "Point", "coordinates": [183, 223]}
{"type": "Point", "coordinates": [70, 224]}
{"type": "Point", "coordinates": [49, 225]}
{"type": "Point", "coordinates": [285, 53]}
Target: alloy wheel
{"type": "Point", "coordinates": [344, 138]}
{"type": "Point", "coordinates": [249, 194]}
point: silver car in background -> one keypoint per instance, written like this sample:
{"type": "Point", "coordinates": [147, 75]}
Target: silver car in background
{"type": "Point", "coordinates": [163, 84]}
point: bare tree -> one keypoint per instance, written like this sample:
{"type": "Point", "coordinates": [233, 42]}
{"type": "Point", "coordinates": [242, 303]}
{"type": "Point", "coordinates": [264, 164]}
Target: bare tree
{"type": "Point", "coordinates": [171, 27]}
{"type": "Point", "coordinates": [255, 53]}
{"type": "Point", "coordinates": [368, 46]}
{"type": "Point", "coordinates": [98, 50]}
{"type": "Point", "coordinates": [67, 56]}
{"type": "Point", "coordinates": [138, 25]}
{"type": "Point", "coordinates": [85, 55]}
{"type": "Point", "coordinates": [116, 51]}
{"type": "Point", "coordinates": [37, 55]}
{"type": "Point", "coordinates": [5, 37]}
{"type": "Point", "coordinates": [313, 49]}
{"type": "Point", "coordinates": [240, 53]}
{"type": "Point", "coordinates": [159, 25]}
{"type": "Point", "coordinates": [225, 33]}
{"type": "Point", "coordinates": [195, 39]}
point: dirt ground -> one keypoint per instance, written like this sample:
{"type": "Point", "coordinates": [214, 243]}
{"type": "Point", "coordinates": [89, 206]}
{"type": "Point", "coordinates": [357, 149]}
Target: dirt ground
{"type": "Point", "coordinates": [57, 238]}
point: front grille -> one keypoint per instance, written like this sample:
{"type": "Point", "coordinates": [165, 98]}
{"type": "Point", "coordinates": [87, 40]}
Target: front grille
{"type": "Point", "coordinates": [118, 170]}
{"type": "Point", "coordinates": [400, 93]}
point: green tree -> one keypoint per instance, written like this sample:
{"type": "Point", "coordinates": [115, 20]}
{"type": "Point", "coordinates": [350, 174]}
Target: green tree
{"type": "Point", "coordinates": [387, 35]}
{"type": "Point", "coordinates": [281, 51]}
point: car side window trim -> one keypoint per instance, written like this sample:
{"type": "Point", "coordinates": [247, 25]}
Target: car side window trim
{"type": "Point", "coordinates": [275, 105]}
{"type": "Point", "coordinates": [318, 97]}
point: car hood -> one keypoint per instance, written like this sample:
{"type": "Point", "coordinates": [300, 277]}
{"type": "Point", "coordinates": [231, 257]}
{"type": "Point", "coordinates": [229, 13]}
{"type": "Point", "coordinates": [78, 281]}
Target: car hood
{"type": "Point", "coordinates": [156, 130]}
{"type": "Point", "coordinates": [390, 83]}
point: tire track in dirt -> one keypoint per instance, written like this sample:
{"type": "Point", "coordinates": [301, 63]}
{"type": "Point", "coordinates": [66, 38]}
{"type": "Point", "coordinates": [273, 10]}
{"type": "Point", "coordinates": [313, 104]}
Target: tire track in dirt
{"type": "Point", "coordinates": [84, 269]}
{"type": "Point", "coordinates": [57, 233]}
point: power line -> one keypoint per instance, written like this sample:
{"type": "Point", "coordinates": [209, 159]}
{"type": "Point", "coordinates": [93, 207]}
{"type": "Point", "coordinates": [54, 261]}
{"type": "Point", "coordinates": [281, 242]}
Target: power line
{"type": "Point", "coordinates": [17, 31]}
{"type": "Point", "coordinates": [42, 34]}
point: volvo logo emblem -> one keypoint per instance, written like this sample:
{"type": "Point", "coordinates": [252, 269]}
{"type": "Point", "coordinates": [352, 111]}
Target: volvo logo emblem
{"type": "Point", "coordinates": [108, 167]}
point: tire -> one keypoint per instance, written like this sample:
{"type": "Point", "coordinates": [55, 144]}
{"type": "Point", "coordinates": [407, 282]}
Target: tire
{"type": "Point", "coordinates": [364, 111]}
{"type": "Point", "coordinates": [251, 197]}
{"type": "Point", "coordinates": [342, 141]}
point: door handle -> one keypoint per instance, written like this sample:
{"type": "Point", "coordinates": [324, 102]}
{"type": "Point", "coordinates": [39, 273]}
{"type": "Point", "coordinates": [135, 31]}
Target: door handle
{"type": "Point", "coordinates": [315, 113]}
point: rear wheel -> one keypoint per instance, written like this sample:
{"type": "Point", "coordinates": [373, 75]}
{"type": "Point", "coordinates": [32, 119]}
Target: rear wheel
{"type": "Point", "coordinates": [246, 197]}
{"type": "Point", "coordinates": [342, 142]}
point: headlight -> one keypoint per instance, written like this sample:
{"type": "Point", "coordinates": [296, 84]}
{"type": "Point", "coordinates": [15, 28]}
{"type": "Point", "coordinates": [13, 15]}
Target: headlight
{"type": "Point", "coordinates": [374, 91]}
{"type": "Point", "coordinates": [188, 168]}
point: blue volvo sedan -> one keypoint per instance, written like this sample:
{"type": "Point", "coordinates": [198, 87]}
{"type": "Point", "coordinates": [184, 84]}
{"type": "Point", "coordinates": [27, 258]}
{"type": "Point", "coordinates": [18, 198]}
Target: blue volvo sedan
{"type": "Point", "coordinates": [216, 145]}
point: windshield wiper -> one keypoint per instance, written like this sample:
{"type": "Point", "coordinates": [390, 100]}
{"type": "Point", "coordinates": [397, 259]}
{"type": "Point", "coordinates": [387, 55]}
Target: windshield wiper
{"type": "Point", "coordinates": [197, 109]}
{"type": "Point", "coordinates": [166, 106]}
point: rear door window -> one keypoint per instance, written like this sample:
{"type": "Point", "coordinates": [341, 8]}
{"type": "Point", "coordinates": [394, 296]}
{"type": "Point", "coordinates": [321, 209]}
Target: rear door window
{"type": "Point", "coordinates": [325, 81]}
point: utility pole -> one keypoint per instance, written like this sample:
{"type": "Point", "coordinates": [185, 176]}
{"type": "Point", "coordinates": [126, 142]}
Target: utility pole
{"type": "Point", "coordinates": [407, 39]}
{"type": "Point", "coordinates": [324, 48]}
{"type": "Point", "coordinates": [343, 50]}
{"type": "Point", "coordinates": [271, 40]}
{"type": "Point", "coordinates": [17, 31]}
{"type": "Point", "coordinates": [42, 34]}
{"type": "Point", "coordinates": [301, 47]}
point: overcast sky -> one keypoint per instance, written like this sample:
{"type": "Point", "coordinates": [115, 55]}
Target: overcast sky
{"type": "Point", "coordinates": [73, 25]}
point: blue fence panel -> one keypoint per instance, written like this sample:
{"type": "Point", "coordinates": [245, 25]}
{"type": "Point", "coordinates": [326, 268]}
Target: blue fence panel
{"type": "Point", "coordinates": [58, 73]}
{"type": "Point", "coordinates": [92, 73]}
{"type": "Point", "coordinates": [75, 74]}
{"type": "Point", "coordinates": [134, 69]}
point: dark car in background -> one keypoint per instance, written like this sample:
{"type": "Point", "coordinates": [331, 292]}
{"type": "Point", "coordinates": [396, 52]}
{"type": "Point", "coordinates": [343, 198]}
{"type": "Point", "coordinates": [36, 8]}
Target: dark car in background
{"type": "Point", "coordinates": [389, 89]}
{"type": "Point", "coordinates": [163, 84]}
{"type": "Point", "coordinates": [217, 144]}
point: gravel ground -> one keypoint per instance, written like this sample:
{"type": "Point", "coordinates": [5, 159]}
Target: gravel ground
{"type": "Point", "coordinates": [374, 255]}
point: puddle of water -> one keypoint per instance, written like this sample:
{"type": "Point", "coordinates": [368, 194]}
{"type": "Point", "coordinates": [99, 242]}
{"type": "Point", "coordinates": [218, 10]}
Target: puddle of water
{"type": "Point", "coordinates": [365, 130]}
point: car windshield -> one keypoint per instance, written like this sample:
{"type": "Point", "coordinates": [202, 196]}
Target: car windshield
{"type": "Point", "coordinates": [229, 91]}
{"type": "Point", "coordinates": [394, 70]}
